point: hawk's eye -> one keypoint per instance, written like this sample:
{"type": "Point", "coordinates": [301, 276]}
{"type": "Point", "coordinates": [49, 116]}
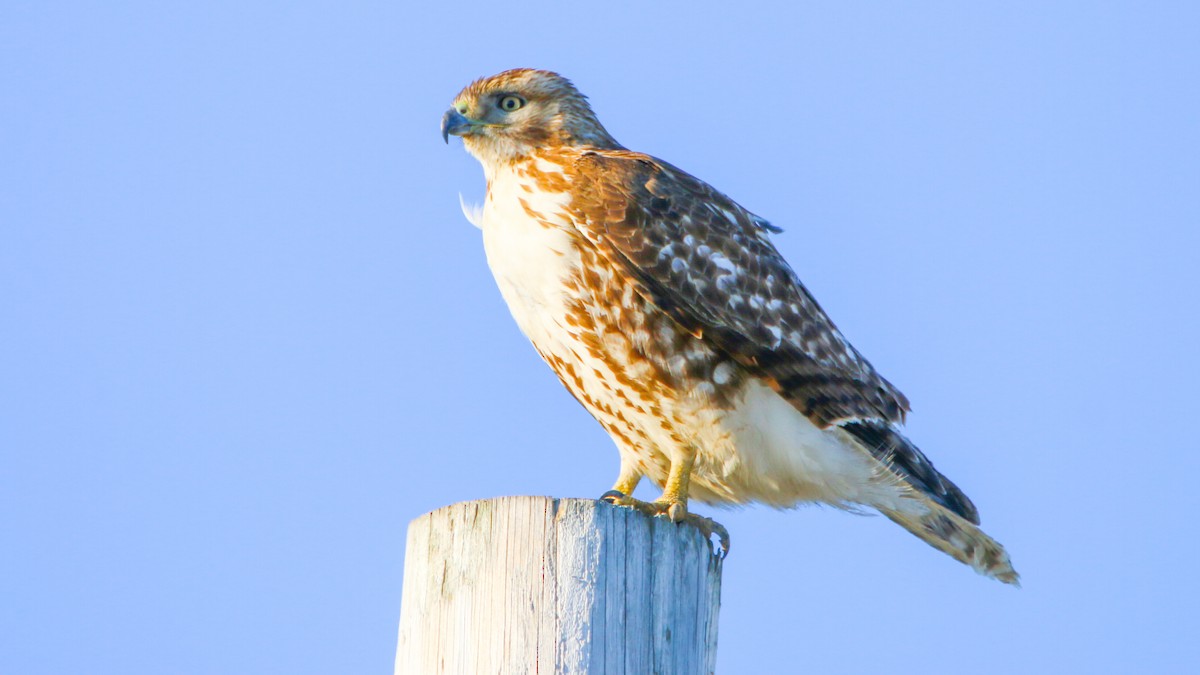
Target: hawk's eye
{"type": "Point", "coordinates": [511, 103]}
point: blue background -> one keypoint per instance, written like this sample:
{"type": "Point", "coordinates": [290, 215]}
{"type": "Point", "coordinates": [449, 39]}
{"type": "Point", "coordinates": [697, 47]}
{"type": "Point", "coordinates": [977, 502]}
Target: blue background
{"type": "Point", "coordinates": [248, 336]}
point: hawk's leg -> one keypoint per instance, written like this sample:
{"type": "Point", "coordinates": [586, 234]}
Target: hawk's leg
{"type": "Point", "coordinates": [672, 503]}
{"type": "Point", "coordinates": [627, 479]}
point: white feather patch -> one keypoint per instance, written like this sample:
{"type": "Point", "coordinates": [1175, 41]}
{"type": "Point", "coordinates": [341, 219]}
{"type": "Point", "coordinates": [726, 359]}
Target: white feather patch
{"type": "Point", "coordinates": [721, 262]}
{"type": "Point", "coordinates": [473, 212]}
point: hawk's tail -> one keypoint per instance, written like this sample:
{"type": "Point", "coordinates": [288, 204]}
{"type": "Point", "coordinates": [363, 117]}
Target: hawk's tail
{"type": "Point", "coordinates": [952, 534]}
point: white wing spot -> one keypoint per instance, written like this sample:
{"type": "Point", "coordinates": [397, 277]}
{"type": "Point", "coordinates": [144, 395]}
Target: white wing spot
{"type": "Point", "coordinates": [723, 373]}
{"type": "Point", "coordinates": [776, 334]}
{"type": "Point", "coordinates": [724, 263]}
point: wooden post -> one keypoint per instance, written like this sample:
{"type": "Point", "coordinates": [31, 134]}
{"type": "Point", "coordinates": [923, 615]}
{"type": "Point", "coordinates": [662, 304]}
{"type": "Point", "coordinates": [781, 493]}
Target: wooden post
{"type": "Point", "coordinates": [519, 585]}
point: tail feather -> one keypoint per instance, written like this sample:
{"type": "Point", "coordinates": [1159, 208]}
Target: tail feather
{"type": "Point", "coordinates": [892, 448]}
{"type": "Point", "coordinates": [954, 535]}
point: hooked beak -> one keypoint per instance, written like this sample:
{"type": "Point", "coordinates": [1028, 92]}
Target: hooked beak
{"type": "Point", "coordinates": [454, 124]}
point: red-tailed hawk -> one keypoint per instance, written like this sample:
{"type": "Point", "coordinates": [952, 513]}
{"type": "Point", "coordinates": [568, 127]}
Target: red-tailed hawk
{"type": "Point", "coordinates": [667, 312]}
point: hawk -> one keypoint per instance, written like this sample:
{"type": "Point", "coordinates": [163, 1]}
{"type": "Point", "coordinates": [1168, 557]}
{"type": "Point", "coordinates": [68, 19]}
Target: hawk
{"type": "Point", "coordinates": [664, 308]}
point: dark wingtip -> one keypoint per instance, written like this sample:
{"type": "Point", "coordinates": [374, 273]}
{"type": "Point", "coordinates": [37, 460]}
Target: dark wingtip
{"type": "Point", "coordinates": [766, 225]}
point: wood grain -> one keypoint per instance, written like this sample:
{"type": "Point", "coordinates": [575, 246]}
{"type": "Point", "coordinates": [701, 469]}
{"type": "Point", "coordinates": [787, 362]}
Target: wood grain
{"type": "Point", "coordinates": [542, 585]}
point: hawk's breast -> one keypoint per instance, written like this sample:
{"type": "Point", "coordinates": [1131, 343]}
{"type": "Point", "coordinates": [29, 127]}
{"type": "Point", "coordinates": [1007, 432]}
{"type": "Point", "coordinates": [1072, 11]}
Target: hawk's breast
{"type": "Point", "coordinates": [650, 384]}
{"type": "Point", "coordinates": [530, 253]}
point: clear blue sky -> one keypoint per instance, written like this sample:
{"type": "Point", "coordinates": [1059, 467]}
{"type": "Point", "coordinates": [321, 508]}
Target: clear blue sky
{"type": "Point", "coordinates": [248, 335]}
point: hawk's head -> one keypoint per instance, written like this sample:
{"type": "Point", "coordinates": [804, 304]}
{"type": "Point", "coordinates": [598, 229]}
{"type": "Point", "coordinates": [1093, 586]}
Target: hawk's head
{"type": "Point", "coordinates": [508, 116]}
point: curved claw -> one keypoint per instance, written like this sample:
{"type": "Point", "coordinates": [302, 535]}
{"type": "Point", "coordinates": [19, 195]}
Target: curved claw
{"type": "Point", "coordinates": [677, 512]}
{"type": "Point", "coordinates": [617, 498]}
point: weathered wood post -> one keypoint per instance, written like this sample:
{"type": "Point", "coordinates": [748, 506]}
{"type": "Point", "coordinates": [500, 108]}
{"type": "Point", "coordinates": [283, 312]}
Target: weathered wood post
{"type": "Point", "coordinates": [520, 585]}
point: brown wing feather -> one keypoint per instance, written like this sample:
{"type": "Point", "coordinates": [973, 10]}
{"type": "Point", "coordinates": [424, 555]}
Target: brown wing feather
{"type": "Point", "coordinates": [708, 262]}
